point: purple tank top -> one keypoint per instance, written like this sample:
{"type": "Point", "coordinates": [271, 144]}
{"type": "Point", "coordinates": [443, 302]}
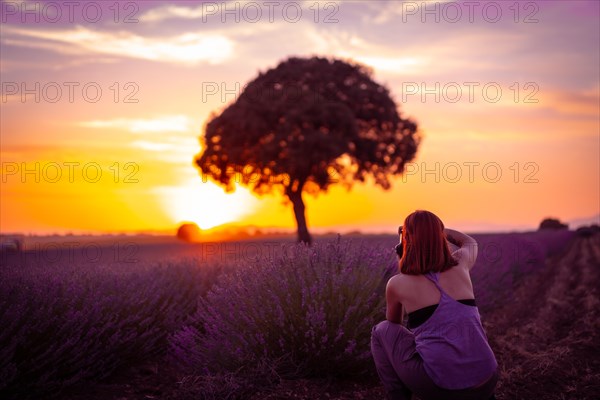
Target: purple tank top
{"type": "Point", "coordinates": [453, 344]}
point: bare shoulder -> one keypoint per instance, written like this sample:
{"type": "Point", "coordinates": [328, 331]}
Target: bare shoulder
{"type": "Point", "coordinates": [400, 285]}
{"type": "Point", "coordinates": [396, 283]}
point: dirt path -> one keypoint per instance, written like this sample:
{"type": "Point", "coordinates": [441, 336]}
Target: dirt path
{"type": "Point", "coordinates": [546, 341]}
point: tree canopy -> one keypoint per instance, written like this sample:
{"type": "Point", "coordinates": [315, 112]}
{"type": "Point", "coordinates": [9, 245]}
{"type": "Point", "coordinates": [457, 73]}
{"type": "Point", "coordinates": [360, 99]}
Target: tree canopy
{"type": "Point", "coordinates": [304, 125]}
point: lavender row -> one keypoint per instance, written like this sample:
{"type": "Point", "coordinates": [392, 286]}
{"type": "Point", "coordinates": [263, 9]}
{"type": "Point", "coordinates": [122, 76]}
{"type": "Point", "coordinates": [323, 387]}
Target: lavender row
{"type": "Point", "coordinates": [77, 323]}
{"type": "Point", "coordinates": [309, 312]}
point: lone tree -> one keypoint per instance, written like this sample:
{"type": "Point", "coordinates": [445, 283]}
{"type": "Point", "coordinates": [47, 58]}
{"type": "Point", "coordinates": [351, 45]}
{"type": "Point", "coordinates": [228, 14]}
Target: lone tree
{"type": "Point", "coordinates": [552, 223]}
{"type": "Point", "coordinates": [304, 125]}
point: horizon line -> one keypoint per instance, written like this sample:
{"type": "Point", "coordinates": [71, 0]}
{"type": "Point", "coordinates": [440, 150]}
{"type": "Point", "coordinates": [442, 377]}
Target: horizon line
{"type": "Point", "coordinates": [274, 230]}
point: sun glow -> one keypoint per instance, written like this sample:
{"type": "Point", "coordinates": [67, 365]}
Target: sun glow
{"type": "Point", "coordinates": [206, 204]}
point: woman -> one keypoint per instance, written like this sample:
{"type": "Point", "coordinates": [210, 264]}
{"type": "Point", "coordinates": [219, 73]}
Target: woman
{"type": "Point", "coordinates": [443, 352]}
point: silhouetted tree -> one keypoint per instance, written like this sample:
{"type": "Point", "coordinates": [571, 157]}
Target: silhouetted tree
{"type": "Point", "coordinates": [552, 223]}
{"type": "Point", "coordinates": [586, 231]}
{"type": "Point", "coordinates": [304, 125]}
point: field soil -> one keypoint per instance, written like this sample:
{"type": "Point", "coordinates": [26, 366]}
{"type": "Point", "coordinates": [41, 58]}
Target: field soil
{"type": "Point", "coordinates": [545, 340]}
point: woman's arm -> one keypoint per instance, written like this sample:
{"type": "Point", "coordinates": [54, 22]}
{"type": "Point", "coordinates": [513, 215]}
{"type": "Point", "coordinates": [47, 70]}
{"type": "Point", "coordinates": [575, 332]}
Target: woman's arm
{"type": "Point", "coordinates": [467, 252]}
{"type": "Point", "coordinates": [457, 237]}
{"type": "Point", "coordinates": [394, 309]}
{"type": "Point", "coordinates": [453, 247]}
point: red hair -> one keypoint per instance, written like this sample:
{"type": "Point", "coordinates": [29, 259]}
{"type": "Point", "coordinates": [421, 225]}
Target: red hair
{"type": "Point", "coordinates": [424, 244]}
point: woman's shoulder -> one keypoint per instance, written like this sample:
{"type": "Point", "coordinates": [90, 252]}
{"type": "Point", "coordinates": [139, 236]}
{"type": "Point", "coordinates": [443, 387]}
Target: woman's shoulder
{"type": "Point", "coordinates": [397, 286]}
{"type": "Point", "coordinates": [405, 282]}
{"type": "Point", "coordinates": [401, 277]}
{"type": "Point", "coordinates": [399, 281]}
{"type": "Point", "coordinates": [396, 279]}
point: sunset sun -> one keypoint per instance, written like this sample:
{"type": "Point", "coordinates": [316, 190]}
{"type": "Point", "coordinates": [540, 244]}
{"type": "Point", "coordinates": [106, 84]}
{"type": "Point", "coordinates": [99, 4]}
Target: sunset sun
{"type": "Point", "coordinates": [206, 204]}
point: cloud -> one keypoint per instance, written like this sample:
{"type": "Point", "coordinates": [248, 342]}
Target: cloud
{"type": "Point", "coordinates": [19, 66]}
{"type": "Point", "coordinates": [400, 65]}
{"type": "Point", "coordinates": [173, 11]}
{"type": "Point", "coordinates": [389, 11]}
{"type": "Point", "coordinates": [177, 150]}
{"type": "Point", "coordinates": [169, 123]}
{"type": "Point", "coordinates": [572, 103]}
{"type": "Point", "coordinates": [176, 144]}
{"type": "Point", "coordinates": [249, 11]}
{"type": "Point", "coordinates": [188, 48]}
{"type": "Point", "coordinates": [152, 146]}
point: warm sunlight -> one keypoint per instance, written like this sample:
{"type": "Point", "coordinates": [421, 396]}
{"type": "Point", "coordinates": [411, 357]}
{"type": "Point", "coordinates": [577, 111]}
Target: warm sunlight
{"type": "Point", "coordinates": [206, 204]}
{"type": "Point", "coordinates": [128, 269]}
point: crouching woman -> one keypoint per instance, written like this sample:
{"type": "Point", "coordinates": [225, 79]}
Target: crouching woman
{"type": "Point", "coordinates": [443, 352]}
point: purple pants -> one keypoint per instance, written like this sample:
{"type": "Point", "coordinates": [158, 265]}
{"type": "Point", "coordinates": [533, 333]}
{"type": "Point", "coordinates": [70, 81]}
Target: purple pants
{"type": "Point", "coordinates": [401, 370]}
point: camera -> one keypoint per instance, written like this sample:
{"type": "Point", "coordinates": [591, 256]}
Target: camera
{"type": "Point", "coordinates": [399, 248]}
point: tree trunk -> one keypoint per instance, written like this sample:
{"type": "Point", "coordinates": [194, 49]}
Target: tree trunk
{"type": "Point", "coordinates": [296, 199]}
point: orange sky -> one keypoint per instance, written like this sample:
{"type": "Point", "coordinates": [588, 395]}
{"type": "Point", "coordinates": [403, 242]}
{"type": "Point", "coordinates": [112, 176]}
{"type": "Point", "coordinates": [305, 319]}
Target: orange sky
{"type": "Point", "coordinates": [547, 151]}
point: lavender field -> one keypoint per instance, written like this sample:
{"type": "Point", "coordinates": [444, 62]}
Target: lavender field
{"type": "Point", "coordinates": [235, 320]}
